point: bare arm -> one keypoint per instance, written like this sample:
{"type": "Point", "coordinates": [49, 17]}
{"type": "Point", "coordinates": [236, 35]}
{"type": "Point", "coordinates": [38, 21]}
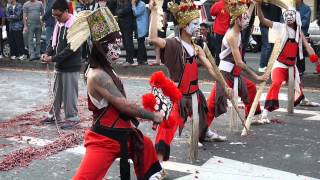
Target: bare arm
{"type": "Point", "coordinates": [307, 46]}
{"type": "Point", "coordinates": [205, 62]}
{"type": "Point", "coordinates": [153, 26]}
{"type": "Point", "coordinates": [262, 19]}
{"type": "Point", "coordinates": [238, 58]}
{"type": "Point", "coordinates": [102, 85]}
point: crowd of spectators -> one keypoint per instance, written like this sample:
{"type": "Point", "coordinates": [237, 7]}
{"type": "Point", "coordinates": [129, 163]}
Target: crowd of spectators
{"type": "Point", "coordinates": [26, 21]}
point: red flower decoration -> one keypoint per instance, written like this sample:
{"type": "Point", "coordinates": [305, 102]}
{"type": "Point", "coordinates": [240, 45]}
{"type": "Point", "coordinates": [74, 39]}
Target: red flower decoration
{"type": "Point", "coordinates": [193, 7]}
{"type": "Point", "coordinates": [318, 69]}
{"type": "Point", "coordinates": [183, 8]}
{"type": "Point", "coordinates": [313, 58]}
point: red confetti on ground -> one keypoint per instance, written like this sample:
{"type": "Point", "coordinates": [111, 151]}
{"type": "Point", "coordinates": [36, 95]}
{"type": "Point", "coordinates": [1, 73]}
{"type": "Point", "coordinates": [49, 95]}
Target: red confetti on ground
{"type": "Point", "coordinates": [23, 157]}
{"type": "Point", "coordinates": [277, 121]}
{"type": "Point", "coordinates": [24, 125]}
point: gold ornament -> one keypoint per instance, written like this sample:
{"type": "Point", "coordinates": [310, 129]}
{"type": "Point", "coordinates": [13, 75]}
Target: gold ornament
{"type": "Point", "coordinates": [236, 8]}
{"type": "Point", "coordinates": [98, 24]}
{"type": "Point", "coordinates": [184, 12]}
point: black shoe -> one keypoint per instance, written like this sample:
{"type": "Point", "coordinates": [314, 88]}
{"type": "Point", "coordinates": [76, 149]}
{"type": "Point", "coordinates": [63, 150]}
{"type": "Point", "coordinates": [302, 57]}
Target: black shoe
{"type": "Point", "coordinates": [47, 120]}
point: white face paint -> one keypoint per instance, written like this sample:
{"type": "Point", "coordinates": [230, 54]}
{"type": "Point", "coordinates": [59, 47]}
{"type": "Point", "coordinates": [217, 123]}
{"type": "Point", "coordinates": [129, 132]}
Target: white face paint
{"type": "Point", "coordinates": [289, 16]}
{"type": "Point", "coordinates": [193, 27]}
{"type": "Point", "coordinates": [244, 21]}
{"type": "Point", "coordinates": [112, 51]}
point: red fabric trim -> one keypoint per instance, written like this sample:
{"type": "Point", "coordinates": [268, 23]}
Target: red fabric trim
{"type": "Point", "coordinates": [318, 68]}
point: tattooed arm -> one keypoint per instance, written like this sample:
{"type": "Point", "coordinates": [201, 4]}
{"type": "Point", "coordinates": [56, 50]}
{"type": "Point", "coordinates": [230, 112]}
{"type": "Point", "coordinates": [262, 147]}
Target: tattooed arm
{"type": "Point", "coordinates": [101, 85]}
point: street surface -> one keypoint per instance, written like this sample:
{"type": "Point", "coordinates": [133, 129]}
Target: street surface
{"type": "Point", "coordinates": [286, 149]}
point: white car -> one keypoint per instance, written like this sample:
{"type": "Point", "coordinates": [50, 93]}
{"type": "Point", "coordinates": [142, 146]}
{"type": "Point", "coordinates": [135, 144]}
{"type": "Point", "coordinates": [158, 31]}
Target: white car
{"type": "Point", "coordinates": [314, 32]}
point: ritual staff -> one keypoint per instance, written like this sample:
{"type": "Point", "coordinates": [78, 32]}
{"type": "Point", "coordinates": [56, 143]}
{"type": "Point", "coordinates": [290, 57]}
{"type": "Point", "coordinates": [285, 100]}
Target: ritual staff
{"type": "Point", "coordinates": [113, 133]}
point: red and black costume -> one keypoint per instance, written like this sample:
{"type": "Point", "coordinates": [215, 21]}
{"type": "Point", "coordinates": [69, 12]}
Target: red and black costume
{"type": "Point", "coordinates": [217, 101]}
{"type": "Point", "coordinates": [183, 70]}
{"type": "Point", "coordinates": [113, 136]}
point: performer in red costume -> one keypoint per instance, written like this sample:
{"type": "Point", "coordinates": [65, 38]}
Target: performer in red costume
{"type": "Point", "coordinates": [182, 56]}
{"type": "Point", "coordinates": [231, 64]}
{"type": "Point", "coordinates": [113, 133]}
{"type": "Point", "coordinates": [291, 42]}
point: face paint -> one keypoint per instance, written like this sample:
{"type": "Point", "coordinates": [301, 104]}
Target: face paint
{"type": "Point", "coordinates": [289, 16]}
{"type": "Point", "coordinates": [112, 50]}
{"type": "Point", "coordinates": [244, 21]}
{"type": "Point", "coordinates": [193, 28]}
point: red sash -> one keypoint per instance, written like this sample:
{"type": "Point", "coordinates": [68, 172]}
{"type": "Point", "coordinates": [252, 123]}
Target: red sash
{"type": "Point", "coordinates": [289, 53]}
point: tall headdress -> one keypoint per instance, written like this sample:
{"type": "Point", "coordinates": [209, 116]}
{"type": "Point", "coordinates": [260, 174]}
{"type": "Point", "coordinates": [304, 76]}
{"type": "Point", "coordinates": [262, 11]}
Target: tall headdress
{"type": "Point", "coordinates": [184, 12]}
{"type": "Point", "coordinates": [236, 8]}
{"type": "Point", "coordinates": [98, 24]}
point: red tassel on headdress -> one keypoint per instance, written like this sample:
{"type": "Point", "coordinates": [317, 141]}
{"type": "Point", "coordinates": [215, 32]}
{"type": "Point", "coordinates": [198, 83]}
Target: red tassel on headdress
{"type": "Point", "coordinates": [313, 58]}
{"type": "Point", "coordinates": [318, 68]}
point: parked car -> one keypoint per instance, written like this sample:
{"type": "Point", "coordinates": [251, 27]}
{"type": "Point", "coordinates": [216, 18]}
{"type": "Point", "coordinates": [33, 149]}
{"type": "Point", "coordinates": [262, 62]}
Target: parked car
{"type": "Point", "coordinates": [6, 47]}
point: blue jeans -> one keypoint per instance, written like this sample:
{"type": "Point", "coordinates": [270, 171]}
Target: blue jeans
{"type": "Point", "coordinates": [34, 30]}
{"type": "Point", "coordinates": [266, 47]}
{"type": "Point", "coordinates": [49, 32]}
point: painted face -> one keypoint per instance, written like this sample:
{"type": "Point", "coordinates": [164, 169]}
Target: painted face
{"type": "Point", "coordinates": [244, 21]}
{"type": "Point", "coordinates": [193, 27]}
{"type": "Point", "coordinates": [289, 16]}
{"type": "Point", "coordinates": [112, 50]}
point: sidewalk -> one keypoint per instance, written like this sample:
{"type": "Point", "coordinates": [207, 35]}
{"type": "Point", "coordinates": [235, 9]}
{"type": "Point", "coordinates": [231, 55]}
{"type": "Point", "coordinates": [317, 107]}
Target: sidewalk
{"type": "Point", "coordinates": [309, 79]}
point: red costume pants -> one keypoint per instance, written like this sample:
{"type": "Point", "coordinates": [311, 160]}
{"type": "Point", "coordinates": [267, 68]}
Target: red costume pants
{"type": "Point", "coordinates": [101, 152]}
{"type": "Point", "coordinates": [278, 76]}
{"type": "Point", "coordinates": [251, 88]}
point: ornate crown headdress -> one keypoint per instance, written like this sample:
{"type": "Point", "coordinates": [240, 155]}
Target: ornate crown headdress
{"type": "Point", "coordinates": [236, 8]}
{"type": "Point", "coordinates": [184, 12]}
{"type": "Point", "coordinates": [98, 24]}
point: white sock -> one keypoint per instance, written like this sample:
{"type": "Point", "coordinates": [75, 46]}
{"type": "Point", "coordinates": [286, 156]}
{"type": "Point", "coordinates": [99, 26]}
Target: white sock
{"type": "Point", "coordinates": [264, 113]}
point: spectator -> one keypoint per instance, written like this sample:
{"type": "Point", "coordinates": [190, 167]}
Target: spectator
{"type": "Point", "coordinates": [126, 24]}
{"type": "Point", "coordinates": [273, 13]}
{"type": "Point", "coordinates": [49, 21]}
{"type": "Point", "coordinates": [163, 33]}
{"type": "Point", "coordinates": [305, 14]}
{"type": "Point", "coordinates": [220, 25]}
{"type": "Point", "coordinates": [112, 5]}
{"type": "Point", "coordinates": [207, 37]}
{"type": "Point", "coordinates": [14, 16]}
{"type": "Point", "coordinates": [81, 6]}
{"type": "Point", "coordinates": [32, 14]}
{"type": "Point", "coordinates": [141, 13]}
{"type": "Point", "coordinates": [2, 21]}
{"type": "Point", "coordinates": [67, 68]}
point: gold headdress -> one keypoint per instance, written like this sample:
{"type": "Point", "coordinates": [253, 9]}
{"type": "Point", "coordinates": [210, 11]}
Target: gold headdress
{"type": "Point", "coordinates": [184, 12]}
{"type": "Point", "coordinates": [236, 8]}
{"type": "Point", "coordinates": [98, 24]}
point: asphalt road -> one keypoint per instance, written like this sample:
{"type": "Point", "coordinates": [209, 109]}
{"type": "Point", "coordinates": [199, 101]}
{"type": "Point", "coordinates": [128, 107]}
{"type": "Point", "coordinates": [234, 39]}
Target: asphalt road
{"type": "Point", "coordinates": [286, 149]}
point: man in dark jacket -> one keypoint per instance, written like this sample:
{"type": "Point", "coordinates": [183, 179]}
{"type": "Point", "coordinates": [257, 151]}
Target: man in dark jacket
{"type": "Point", "coordinates": [67, 67]}
{"type": "Point", "coordinates": [49, 21]}
{"type": "Point", "coordinates": [126, 24]}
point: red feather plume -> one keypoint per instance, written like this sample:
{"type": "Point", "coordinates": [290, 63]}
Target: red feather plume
{"type": "Point", "coordinates": [149, 101]}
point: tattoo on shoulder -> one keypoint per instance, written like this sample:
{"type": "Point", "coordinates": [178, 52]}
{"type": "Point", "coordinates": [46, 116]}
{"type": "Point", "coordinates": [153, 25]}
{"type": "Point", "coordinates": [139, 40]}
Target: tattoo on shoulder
{"type": "Point", "coordinates": [105, 81]}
